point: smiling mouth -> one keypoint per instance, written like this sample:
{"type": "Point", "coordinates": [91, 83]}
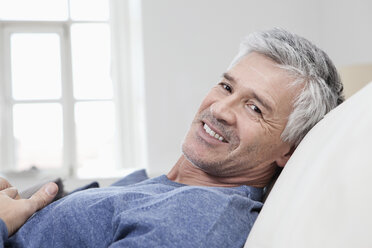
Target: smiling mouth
{"type": "Point", "coordinates": [213, 134]}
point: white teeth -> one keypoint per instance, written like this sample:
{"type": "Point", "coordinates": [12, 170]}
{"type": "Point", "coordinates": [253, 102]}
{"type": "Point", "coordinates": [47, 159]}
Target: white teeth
{"type": "Point", "coordinates": [212, 133]}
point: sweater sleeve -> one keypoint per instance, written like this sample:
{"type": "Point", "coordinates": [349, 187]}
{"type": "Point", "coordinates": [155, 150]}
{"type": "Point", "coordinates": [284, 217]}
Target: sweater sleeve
{"type": "Point", "coordinates": [4, 233]}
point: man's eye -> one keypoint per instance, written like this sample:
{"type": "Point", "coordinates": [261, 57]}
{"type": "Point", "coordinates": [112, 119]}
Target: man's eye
{"type": "Point", "coordinates": [226, 87]}
{"type": "Point", "coordinates": [255, 109]}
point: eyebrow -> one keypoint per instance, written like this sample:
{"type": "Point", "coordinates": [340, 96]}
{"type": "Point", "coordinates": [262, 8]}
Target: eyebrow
{"type": "Point", "coordinates": [260, 99]}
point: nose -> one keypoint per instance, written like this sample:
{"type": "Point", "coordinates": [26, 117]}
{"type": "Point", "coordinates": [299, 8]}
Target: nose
{"type": "Point", "coordinates": [223, 110]}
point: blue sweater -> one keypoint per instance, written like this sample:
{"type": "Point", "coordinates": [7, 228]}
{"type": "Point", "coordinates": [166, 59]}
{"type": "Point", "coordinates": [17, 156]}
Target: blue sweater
{"type": "Point", "coordinates": [153, 213]}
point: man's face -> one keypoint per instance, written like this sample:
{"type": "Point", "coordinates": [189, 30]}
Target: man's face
{"type": "Point", "coordinates": [246, 112]}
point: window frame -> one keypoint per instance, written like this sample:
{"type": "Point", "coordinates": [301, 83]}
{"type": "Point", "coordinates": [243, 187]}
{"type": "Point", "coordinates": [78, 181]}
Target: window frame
{"type": "Point", "coordinates": [127, 78]}
{"type": "Point", "coordinates": [62, 29]}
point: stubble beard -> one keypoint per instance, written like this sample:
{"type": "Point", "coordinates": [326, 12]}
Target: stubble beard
{"type": "Point", "coordinates": [210, 167]}
{"type": "Point", "coordinates": [227, 166]}
{"type": "Point", "coordinates": [231, 166]}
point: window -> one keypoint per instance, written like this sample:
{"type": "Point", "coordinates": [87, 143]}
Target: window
{"type": "Point", "coordinates": [59, 109]}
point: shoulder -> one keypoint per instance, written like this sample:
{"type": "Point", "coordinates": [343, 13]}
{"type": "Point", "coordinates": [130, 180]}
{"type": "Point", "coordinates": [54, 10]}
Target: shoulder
{"type": "Point", "coordinates": [209, 203]}
{"type": "Point", "coordinates": [214, 216]}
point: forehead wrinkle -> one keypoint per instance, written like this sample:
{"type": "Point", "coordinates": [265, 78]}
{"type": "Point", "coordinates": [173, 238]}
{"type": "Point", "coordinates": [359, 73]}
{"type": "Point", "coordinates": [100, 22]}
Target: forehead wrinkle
{"type": "Point", "coordinates": [259, 73]}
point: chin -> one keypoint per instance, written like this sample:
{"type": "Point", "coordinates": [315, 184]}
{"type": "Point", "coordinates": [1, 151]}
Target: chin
{"type": "Point", "coordinates": [189, 154]}
{"type": "Point", "coordinates": [209, 167]}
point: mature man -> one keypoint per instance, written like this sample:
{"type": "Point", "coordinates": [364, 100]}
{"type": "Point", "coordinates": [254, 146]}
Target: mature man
{"type": "Point", "coordinates": [276, 89]}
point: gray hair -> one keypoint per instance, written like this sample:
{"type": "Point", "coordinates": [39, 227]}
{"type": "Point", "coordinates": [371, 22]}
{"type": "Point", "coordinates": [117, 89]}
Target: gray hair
{"type": "Point", "coordinates": [310, 66]}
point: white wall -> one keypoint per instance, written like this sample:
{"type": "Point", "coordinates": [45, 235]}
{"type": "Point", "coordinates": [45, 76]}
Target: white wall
{"type": "Point", "coordinates": [189, 43]}
{"type": "Point", "coordinates": [346, 31]}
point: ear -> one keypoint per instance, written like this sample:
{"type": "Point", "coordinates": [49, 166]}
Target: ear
{"type": "Point", "coordinates": [282, 160]}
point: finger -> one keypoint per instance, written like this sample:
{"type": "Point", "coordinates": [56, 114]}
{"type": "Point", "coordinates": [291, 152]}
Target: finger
{"type": "Point", "coordinates": [43, 196]}
{"type": "Point", "coordinates": [17, 197]}
{"type": "Point", "coordinates": [12, 192]}
{"type": "Point", "coordinates": [4, 184]}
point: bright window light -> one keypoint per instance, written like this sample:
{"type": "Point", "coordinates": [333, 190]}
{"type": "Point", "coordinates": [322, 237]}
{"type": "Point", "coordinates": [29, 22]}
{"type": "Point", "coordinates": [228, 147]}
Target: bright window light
{"type": "Point", "coordinates": [95, 133]}
{"type": "Point", "coordinates": [98, 10]}
{"type": "Point", "coordinates": [36, 66]}
{"type": "Point", "coordinates": [33, 10]}
{"type": "Point", "coordinates": [59, 112]}
{"type": "Point", "coordinates": [38, 135]}
{"type": "Point", "coordinates": [91, 61]}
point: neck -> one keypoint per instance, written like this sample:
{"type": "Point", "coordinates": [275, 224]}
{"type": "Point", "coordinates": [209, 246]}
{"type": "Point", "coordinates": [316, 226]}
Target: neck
{"type": "Point", "coordinates": [186, 173]}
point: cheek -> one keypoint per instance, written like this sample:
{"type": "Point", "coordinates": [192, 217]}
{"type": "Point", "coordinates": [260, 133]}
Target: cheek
{"type": "Point", "coordinates": [209, 99]}
{"type": "Point", "coordinates": [204, 105]}
{"type": "Point", "coordinates": [254, 135]}
{"type": "Point", "coordinates": [249, 129]}
{"type": "Point", "coordinates": [249, 138]}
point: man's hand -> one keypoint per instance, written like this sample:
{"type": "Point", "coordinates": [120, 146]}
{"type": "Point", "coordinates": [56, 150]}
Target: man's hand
{"type": "Point", "coordinates": [15, 211]}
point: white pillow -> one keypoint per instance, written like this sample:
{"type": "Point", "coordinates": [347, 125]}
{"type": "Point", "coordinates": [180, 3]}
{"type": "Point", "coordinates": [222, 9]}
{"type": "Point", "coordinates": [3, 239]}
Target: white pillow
{"type": "Point", "coordinates": [323, 198]}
